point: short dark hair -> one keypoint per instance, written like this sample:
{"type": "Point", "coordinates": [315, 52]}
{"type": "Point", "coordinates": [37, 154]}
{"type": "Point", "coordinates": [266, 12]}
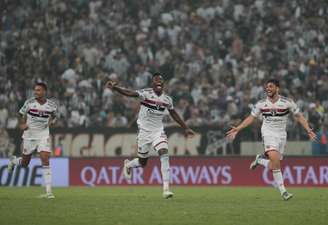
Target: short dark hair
{"type": "Point", "coordinates": [274, 81]}
{"type": "Point", "coordinates": [42, 84]}
{"type": "Point", "coordinates": [157, 74]}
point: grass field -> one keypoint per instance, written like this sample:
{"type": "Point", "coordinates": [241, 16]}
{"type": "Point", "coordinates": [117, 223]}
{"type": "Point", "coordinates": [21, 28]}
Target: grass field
{"type": "Point", "coordinates": [144, 205]}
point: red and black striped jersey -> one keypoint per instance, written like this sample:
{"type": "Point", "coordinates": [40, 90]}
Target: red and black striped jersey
{"type": "Point", "coordinates": [274, 115]}
{"type": "Point", "coordinates": [152, 110]}
{"type": "Point", "coordinates": [37, 117]}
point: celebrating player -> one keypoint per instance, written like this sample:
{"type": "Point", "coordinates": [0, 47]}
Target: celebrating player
{"type": "Point", "coordinates": [151, 133]}
{"type": "Point", "coordinates": [274, 109]}
{"type": "Point", "coordinates": [36, 115]}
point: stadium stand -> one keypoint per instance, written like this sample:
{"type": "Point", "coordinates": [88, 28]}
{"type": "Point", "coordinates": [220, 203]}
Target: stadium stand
{"type": "Point", "coordinates": [215, 56]}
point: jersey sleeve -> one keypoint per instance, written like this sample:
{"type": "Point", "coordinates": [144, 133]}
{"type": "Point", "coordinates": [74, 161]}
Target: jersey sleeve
{"type": "Point", "coordinates": [54, 113]}
{"type": "Point", "coordinates": [54, 106]}
{"type": "Point", "coordinates": [23, 111]}
{"type": "Point", "coordinates": [293, 107]}
{"type": "Point", "coordinates": [142, 94]}
{"type": "Point", "coordinates": [170, 105]}
{"type": "Point", "coordinates": [256, 110]}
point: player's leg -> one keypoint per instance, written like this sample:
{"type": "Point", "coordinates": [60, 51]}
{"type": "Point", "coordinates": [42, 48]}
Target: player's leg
{"type": "Point", "coordinates": [45, 151]}
{"type": "Point", "coordinates": [275, 157]}
{"type": "Point", "coordinates": [140, 161]}
{"type": "Point", "coordinates": [262, 159]}
{"type": "Point", "coordinates": [282, 144]}
{"type": "Point", "coordinates": [160, 145]}
{"type": "Point", "coordinates": [134, 163]}
{"type": "Point", "coordinates": [165, 170]}
{"type": "Point", "coordinates": [28, 148]}
{"type": "Point", "coordinates": [23, 161]}
{"type": "Point", "coordinates": [47, 175]}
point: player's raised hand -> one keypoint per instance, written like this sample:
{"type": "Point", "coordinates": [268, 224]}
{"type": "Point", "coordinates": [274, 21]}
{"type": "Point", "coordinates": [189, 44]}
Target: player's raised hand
{"type": "Point", "coordinates": [312, 136]}
{"type": "Point", "coordinates": [111, 84]}
{"type": "Point", "coordinates": [231, 134]}
{"type": "Point", "coordinates": [189, 133]}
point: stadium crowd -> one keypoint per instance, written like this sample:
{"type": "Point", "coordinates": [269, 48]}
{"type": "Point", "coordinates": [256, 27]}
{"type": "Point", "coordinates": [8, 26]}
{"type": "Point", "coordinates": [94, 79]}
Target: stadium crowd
{"type": "Point", "coordinates": [214, 55]}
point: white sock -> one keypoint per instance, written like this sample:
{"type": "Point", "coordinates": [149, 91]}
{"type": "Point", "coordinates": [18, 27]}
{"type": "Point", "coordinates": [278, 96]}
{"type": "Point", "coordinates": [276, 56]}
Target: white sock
{"type": "Point", "coordinates": [277, 176]}
{"type": "Point", "coordinates": [47, 178]}
{"type": "Point", "coordinates": [17, 161]}
{"type": "Point", "coordinates": [133, 163]}
{"type": "Point", "coordinates": [165, 169]}
{"type": "Point", "coordinates": [264, 162]}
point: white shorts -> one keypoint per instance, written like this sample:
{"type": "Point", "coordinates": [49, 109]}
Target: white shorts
{"type": "Point", "coordinates": [274, 144]}
{"type": "Point", "coordinates": [151, 141]}
{"type": "Point", "coordinates": [29, 146]}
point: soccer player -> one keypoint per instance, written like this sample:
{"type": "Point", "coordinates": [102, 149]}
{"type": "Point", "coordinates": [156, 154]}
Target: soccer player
{"type": "Point", "coordinates": [274, 109]}
{"type": "Point", "coordinates": [151, 135]}
{"type": "Point", "coordinates": [36, 115]}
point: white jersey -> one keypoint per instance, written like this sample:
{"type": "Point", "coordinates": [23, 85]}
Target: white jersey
{"type": "Point", "coordinates": [152, 110]}
{"type": "Point", "coordinates": [37, 118]}
{"type": "Point", "coordinates": [274, 115]}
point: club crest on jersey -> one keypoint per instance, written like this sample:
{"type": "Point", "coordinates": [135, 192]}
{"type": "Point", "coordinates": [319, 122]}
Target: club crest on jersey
{"type": "Point", "coordinates": [273, 112]}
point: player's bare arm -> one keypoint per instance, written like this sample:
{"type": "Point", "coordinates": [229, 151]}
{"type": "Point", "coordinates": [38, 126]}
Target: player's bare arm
{"type": "Point", "coordinates": [189, 132]}
{"type": "Point", "coordinates": [22, 122]}
{"type": "Point", "coordinates": [301, 119]}
{"type": "Point", "coordinates": [231, 134]}
{"type": "Point", "coordinates": [126, 92]}
{"type": "Point", "coordinates": [52, 120]}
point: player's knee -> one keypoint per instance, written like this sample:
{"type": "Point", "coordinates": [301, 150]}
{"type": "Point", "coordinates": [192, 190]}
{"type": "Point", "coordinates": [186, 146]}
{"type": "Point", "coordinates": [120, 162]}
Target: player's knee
{"type": "Point", "coordinates": [143, 161]}
{"type": "Point", "coordinates": [274, 157]}
{"type": "Point", "coordinates": [24, 163]}
{"type": "Point", "coordinates": [163, 151]}
{"type": "Point", "coordinates": [45, 161]}
{"type": "Point", "coordinates": [25, 160]}
{"type": "Point", "coordinates": [275, 164]}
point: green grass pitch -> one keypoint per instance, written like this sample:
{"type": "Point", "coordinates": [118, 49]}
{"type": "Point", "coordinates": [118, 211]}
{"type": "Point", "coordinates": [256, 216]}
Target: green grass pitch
{"type": "Point", "coordinates": [144, 205]}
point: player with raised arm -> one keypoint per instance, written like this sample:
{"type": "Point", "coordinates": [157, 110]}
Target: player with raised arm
{"type": "Point", "coordinates": [274, 109]}
{"type": "Point", "coordinates": [36, 115]}
{"type": "Point", "coordinates": [151, 135]}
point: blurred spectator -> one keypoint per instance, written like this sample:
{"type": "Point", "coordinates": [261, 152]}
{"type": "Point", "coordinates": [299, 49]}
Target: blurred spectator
{"type": "Point", "coordinates": [7, 148]}
{"type": "Point", "coordinates": [321, 147]}
{"type": "Point", "coordinates": [3, 116]}
{"type": "Point", "coordinates": [215, 55]}
{"type": "Point", "coordinates": [314, 117]}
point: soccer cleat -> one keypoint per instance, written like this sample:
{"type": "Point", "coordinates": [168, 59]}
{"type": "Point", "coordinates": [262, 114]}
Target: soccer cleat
{"type": "Point", "coordinates": [47, 195]}
{"type": "Point", "coordinates": [11, 164]}
{"type": "Point", "coordinates": [167, 194]}
{"type": "Point", "coordinates": [126, 170]}
{"type": "Point", "coordinates": [286, 196]}
{"type": "Point", "coordinates": [255, 163]}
